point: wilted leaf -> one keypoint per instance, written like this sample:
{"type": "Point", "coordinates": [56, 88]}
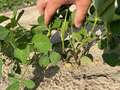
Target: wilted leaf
{"type": "Point", "coordinates": [85, 60]}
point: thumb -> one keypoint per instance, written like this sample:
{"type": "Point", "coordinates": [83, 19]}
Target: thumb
{"type": "Point", "coordinates": [82, 7]}
{"type": "Point", "coordinates": [51, 7]}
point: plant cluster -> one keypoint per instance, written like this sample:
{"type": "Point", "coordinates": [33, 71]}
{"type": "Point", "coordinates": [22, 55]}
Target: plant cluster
{"type": "Point", "coordinates": [10, 5]}
{"type": "Point", "coordinates": [23, 46]}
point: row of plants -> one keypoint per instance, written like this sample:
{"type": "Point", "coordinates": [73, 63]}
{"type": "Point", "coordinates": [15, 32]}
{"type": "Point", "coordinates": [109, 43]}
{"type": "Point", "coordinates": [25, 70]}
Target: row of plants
{"type": "Point", "coordinates": [24, 47]}
{"type": "Point", "coordinates": [6, 5]}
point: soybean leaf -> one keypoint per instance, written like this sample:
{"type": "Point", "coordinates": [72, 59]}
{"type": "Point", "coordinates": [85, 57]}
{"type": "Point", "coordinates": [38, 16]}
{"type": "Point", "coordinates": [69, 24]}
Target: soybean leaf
{"type": "Point", "coordinates": [111, 58]}
{"type": "Point", "coordinates": [22, 54]}
{"type": "Point", "coordinates": [85, 60]}
{"type": "Point", "coordinates": [8, 49]}
{"type": "Point", "coordinates": [29, 84]}
{"type": "Point", "coordinates": [13, 86]}
{"type": "Point", "coordinates": [106, 11]}
{"type": "Point", "coordinates": [23, 39]}
{"type": "Point", "coordinates": [56, 23]}
{"type": "Point", "coordinates": [41, 43]}
{"type": "Point", "coordinates": [36, 30]}
{"type": "Point", "coordinates": [13, 80]}
{"type": "Point", "coordinates": [117, 11]}
{"type": "Point", "coordinates": [83, 32]}
{"type": "Point", "coordinates": [54, 58]}
{"type": "Point", "coordinates": [41, 23]}
{"type": "Point", "coordinates": [44, 61]}
{"type": "Point", "coordinates": [115, 28]}
{"type": "Point", "coordinates": [105, 5]}
{"type": "Point", "coordinates": [76, 36]}
{"type": "Point", "coordinates": [3, 18]}
{"type": "Point", "coordinates": [10, 38]}
{"type": "Point", "coordinates": [3, 33]}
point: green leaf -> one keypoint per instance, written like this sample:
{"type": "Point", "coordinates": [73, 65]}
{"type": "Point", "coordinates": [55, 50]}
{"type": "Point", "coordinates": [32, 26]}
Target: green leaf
{"type": "Point", "coordinates": [13, 86]}
{"type": "Point", "coordinates": [3, 18]}
{"type": "Point", "coordinates": [29, 84]}
{"type": "Point", "coordinates": [8, 49]}
{"type": "Point", "coordinates": [76, 36]}
{"type": "Point", "coordinates": [22, 54]}
{"type": "Point", "coordinates": [112, 58]}
{"type": "Point", "coordinates": [13, 80]}
{"type": "Point", "coordinates": [85, 60]}
{"type": "Point", "coordinates": [3, 33]}
{"type": "Point", "coordinates": [41, 23]}
{"type": "Point", "coordinates": [41, 20]}
{"type": "Point", "coordinates": [83, 32]}
{"type": "Point", "coordinates": [36, 30]}
{"type": "Point", "coordinates": [115, 28]}
{"type": "Point", "coordinates": [54, 58]}
{"type": "Point", "coordinates": [41, 43]}
{"type": "Point", "coordinates": [44, 61]}
{"type": "Point", "coordinates": [106, 11]}
{"type": "Point", "coordinates": [56, 24]}
{"type": "Point", "coordinates": [1, 63]}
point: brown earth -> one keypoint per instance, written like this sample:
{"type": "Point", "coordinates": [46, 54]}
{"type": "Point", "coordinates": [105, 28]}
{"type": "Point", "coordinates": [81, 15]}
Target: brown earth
{"type": "Point", "coordinates": [95, 76]}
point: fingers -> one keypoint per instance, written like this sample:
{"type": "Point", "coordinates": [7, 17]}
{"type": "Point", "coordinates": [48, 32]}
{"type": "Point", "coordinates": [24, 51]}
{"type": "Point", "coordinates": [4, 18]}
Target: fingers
{"type": "Point", "coordinates": [48, 8]}
{"type": "Point", "coordinates": [51, 7]}
{"type": "Point", "coordinates": [41, 4]}
{"type": "Point", "coordinates": [82, 7]}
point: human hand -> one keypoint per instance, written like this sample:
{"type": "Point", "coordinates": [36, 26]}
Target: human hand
{"type": "Point", "coordinates": [49, 7]}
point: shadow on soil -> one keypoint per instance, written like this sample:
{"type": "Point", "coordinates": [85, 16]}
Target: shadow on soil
{"type": "Point", "coordinates": [40, 74]}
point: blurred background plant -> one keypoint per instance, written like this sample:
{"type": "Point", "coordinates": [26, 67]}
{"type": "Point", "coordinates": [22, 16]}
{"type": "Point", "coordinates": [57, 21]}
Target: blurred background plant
{"type": "Point", "coordinates": [6, 5]}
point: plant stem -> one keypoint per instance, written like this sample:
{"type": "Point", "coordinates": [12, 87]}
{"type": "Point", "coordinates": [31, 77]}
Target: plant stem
{"type": "Point", "coordinates": [95, 22]}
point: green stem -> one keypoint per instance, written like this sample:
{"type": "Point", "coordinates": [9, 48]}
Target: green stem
{"type": "Point", "coordinates": [95, 22]}
{"type": "Point", "coordinates": [64, 29]}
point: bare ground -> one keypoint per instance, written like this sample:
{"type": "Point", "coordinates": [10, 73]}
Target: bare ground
{"type": "Point", "coordinates": [95, 76]}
